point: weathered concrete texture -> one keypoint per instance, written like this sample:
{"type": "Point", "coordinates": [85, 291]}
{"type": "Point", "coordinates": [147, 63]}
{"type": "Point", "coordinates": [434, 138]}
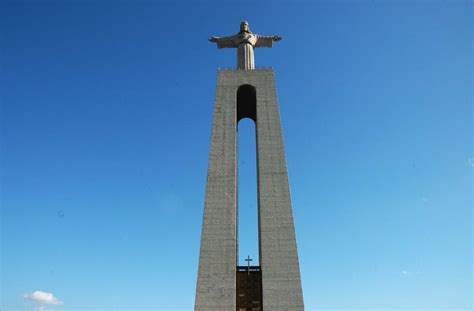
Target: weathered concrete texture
{"type": "Point", "coordinates": [278, 252]}
{"type": "Point", "coordinates": [216, 287]}
{"type": "Point", "coordinates": [281, 284]}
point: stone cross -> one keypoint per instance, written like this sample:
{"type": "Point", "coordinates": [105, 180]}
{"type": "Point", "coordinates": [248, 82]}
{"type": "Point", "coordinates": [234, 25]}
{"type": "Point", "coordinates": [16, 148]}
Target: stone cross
{"type": "Point", "coordinates": [248, 260]}
{"type": "Point", "coordinates": [245, 41]}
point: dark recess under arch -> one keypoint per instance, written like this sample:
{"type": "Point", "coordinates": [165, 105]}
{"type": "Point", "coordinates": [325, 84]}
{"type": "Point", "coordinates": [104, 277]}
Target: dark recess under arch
{"type": "Point", "coordinates": [246, 102]}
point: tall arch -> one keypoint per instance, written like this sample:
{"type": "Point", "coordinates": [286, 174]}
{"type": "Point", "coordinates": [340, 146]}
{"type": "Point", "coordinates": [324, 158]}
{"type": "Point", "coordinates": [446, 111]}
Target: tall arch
{"type": "Point", "coordinates": [246, 108]}
{"type": "Point", "coordinates": [248, 279]}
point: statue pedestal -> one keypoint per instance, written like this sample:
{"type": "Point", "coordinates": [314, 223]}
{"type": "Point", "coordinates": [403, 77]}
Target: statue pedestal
{"type": "Point", "coordinates": [252, 94]}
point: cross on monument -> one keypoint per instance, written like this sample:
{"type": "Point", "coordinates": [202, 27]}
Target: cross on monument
{"type": "Point", "coordinates": [248, 260]}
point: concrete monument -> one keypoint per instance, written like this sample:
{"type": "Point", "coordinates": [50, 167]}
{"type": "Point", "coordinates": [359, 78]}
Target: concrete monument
{"type": "Point", "coordinates": [222, 283]}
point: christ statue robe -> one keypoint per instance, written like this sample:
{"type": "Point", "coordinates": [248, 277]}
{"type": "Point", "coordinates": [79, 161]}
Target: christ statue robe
{"type": "Point", "coordinates": [245, 42]}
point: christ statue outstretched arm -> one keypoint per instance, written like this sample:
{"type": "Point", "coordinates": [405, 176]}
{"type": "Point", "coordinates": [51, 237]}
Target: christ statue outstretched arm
{"type": "Point", "coordinates": [225, 42]}
{"type": "Point", "coordinates": [245, 41]}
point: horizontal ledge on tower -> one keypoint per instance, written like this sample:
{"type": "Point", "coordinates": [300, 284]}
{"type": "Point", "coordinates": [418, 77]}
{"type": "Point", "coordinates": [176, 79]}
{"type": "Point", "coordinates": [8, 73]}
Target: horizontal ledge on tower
{"type": "Point", "coordinates": [246, 268]}
{"type": "Point", "coordinates": [235, 69]}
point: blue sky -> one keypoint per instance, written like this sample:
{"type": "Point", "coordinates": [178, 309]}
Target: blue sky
{"type": "Point", "coordinates": [106, 119]}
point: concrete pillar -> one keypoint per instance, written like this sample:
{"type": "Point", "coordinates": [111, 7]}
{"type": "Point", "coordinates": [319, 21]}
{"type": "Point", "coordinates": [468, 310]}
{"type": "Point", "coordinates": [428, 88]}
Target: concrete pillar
{"type": "Point", "coordinates": [281, 283]}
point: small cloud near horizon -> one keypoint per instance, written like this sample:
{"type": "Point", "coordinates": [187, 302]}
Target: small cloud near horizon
{"type": "Point", "coordinates": [42, 297]}
{"type": "Point", "coordinates": [471, 161]}
{"type": "Point", "coordinates": [409, 273]}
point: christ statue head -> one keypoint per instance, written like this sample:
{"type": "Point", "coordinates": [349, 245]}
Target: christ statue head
{"type": "Point", "coordinates": [244, 27]}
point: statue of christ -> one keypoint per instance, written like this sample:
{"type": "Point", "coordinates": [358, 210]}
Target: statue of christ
{"type": "Point", "coordinates": [245, 41]}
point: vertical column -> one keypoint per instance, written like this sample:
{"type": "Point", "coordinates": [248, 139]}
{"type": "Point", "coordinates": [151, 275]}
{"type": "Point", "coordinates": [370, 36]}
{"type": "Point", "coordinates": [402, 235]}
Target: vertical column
{"type": "Point", "coordinates": [216, 286]}
{"type": "Point", "coordinates": [281, 283]}
{"type": "Point", "coordinates": [281, 280]}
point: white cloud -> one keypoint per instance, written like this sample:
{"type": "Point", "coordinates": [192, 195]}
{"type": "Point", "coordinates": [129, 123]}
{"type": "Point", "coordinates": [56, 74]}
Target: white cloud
{"type": "Point", "coordinates": [46, 298]}
{"type": "Point", "coordinates": [41, 308]}
{"type": "Point", "coordinates": [471, 161]}
{"type": "Point", "coordinates": [409, 273]}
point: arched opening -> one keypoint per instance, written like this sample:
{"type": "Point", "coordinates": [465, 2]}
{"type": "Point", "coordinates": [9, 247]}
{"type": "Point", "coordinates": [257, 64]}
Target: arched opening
{"type": "Point", "coordinates": [249, 277]}
{"type": "Point", "coordinates": [247, 200]}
